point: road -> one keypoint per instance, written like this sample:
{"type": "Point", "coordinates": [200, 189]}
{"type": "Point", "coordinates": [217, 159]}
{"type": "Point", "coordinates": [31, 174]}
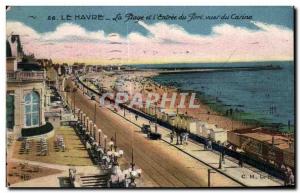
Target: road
{"type": "Point", "coordinates": [162, 164]}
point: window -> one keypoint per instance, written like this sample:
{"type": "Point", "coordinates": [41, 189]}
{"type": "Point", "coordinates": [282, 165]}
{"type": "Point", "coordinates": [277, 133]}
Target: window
{"type": "Point", "coordinates": [32, 109]}
{"type": "Point", "coordinates": [10, 108]}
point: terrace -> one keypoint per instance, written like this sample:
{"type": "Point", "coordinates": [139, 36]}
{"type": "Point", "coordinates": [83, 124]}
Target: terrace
{"type": "Point", "coordinates": [26, 76]}
{"type": "Point", "coordinates": [74, 152]}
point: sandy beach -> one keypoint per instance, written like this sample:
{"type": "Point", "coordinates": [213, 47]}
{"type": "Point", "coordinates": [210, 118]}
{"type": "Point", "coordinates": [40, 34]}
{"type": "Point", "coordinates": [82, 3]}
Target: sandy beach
{"type": "Point", "coordinates": [140, 82]}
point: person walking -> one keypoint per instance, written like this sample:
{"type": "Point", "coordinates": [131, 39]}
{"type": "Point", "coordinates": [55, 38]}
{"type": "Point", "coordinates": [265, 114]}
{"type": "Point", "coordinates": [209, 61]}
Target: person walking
{"type": "Point", "coordinates": [209, 145]}
{"type": "Point", "coordinates": [181, 138]}
{"type": "Point", "coordinates": [136, 117]}
{"type": "Point", "coordinates": [241, 162]}
{"type": "Point", "coordinates": [291, 179]}
{"type": "Point", "coordinates": [171, 137]}
{"type": "Point", "coordinates": [186, 138]}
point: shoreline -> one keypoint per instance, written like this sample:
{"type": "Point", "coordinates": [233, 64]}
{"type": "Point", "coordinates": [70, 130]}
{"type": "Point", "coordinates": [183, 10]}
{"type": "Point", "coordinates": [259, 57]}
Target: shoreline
{"type": "Point", "coordinates": [218, 106]}
{"type": "Point", "coordinates": [249, 118]}
{"type": "Point", "coordinates": [143, 82]}
{"type": "Point", "coordinates": [213, 113]}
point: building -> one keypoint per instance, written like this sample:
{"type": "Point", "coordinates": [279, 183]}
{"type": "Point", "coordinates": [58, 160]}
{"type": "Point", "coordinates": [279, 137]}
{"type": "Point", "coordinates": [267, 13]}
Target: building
{"type": "Point", "coordinates": [25, 93]}
{"type": "Point", "coordinates": [265, 144]}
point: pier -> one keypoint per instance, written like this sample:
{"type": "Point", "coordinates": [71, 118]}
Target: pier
{"type": "Point", "coordinates": [213, 69]}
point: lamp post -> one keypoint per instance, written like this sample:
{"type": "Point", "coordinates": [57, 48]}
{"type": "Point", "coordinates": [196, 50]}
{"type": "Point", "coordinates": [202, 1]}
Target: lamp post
{"type": "Point", "coordinates": [74, 90]}
{"type": "Point", "coordinates": [220, 161]}
{"type": "Point", "coordinates": [83, 119]}
{"type": "Point", "coordinates": [95, 113]}
{"type": "Point", "coordinates": [132, 163]}
{"type": "Point", "coordinates": [94, 132]}
{"type": "Point", "coordinates": [99, 137]}
{"type": "Point", "coordinates": [87, 124]}
{"type": "Point", "coordinates": [111, 145]}
{"type": "Point", "coordinates": [133, 173]}
{"type": "Point", "coordinates": [115, 144]}
{"type": "Point", "coordinates": [177, 132]}
{"type": "Point", "coordinates": [86, 119]}
{"type": "Point", "coordinates": [79, 116]}
{"type": "Point", "coordinates": [105, 137]}
{"type": "Point", "coordinates": [91, 127]}
{"type": "Point", "coordinates": [209, 172]}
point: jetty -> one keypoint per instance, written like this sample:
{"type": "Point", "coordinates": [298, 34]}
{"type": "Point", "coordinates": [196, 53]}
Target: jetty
{"type": "Point", "coordinates": [216, 69]}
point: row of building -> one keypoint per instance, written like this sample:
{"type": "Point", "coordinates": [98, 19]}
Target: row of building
{"type": "Point", "coordinates": [28, 82]}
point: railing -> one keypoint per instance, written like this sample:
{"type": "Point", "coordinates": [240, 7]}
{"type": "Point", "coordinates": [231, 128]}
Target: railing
{"type": "Point", "coordinates": [248, 159]}
{"type": "Point", "coordinates": [26, 75]}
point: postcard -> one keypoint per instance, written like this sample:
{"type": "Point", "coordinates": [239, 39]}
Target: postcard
{"type": "Point", "coordinates": [150, 97]}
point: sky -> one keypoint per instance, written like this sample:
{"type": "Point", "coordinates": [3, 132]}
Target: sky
{"type": "Point", "coordinates": [216, 35]}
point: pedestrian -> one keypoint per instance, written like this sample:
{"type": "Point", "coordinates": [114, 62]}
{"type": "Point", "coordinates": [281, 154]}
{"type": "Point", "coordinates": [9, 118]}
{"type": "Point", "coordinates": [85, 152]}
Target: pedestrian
{"type": "Point", "coordinates": [209, 145]}
{"type": "Point", "coordinates": [286, 179]}
{"type": "Point", "coordinates": [291, 179]}
{"type": "Point", "coordinates": [186, 137]}
{"type": "Point", "coordinates": [87, 145]}
{"type": "Point", "coordinates": [180, 137]}
{"type": "Point", "coordinates": [241, 162]}
{"type": "Point", "coordinates": [205, 144]}
{"type": "Point", "coordinates": [282, 168]}
{"type": "Point", "coordinates": [136, 117]}
{"type": "Point", "coordinates": [223, 156]}
{"type": "Point", "coordinates": [171, 137]}
{"type": "Point", "coordinates": [177, 137]}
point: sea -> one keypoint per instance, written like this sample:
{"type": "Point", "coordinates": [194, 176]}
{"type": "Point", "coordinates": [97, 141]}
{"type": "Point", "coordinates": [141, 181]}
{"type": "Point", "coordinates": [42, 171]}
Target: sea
{"type": "Point", "coordinates": [261, 96]}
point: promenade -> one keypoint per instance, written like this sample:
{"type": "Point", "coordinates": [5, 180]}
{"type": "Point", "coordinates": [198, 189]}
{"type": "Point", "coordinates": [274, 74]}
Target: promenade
{"type": "Point", "coordinates": [162, 165]}
{"type": "Point", "coordinates": [245, 176]}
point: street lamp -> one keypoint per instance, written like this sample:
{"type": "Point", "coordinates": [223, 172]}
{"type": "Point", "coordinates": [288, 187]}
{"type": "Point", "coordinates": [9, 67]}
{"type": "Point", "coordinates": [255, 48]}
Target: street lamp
{"type": "Point", "coordinates": [99, 137]}
{"type": "Point", "coordinates": [94, 132]}
{"type": "Point", "coordinates": [91, 127]}
{"type": "Point", "coordinates": [74, 91]}
{"type": "Point", "coordinates": [115, 145]}
{"type": "Point", "coordinates": [105, 137]}
{"type": "Point", "coordinates": [209, 171]}
{"type": "Point", "coordinates": [111, 144]}
{"type": "Point", "coordinates": [81, 113]}
{"type": "Point", "coordinates": [114, 156]}
{"type": "Point", "coordinates": [83, 118]}
{"type": "Point", "coordinates": [95, 113]}
{"type": "Point", "coordinates": [132, 173]}
{"type": "Point", "coordinates": [86, 123]}
{"type": "Point", "coordinates": [220, 161]}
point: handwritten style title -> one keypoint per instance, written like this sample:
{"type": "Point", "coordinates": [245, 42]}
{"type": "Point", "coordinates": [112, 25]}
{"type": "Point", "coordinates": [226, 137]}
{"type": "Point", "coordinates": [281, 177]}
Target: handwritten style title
{"type": "Point", "coordinates": [131, 17]}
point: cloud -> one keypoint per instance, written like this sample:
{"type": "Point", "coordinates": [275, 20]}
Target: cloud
{"type": "Point", "coordinates": [70, 32]}
{"type": "Point", "coordinates": [163, 43]}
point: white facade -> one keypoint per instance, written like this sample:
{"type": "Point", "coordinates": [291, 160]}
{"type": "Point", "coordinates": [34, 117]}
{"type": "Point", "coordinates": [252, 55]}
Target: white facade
{"type": "Point", "coordinates": [218, 135]}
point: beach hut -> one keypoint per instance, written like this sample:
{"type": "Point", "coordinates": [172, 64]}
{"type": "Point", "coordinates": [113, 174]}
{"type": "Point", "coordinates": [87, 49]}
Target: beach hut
{"type": "Point", "coordinates": [206, 129]}
{"type": "Point", "coordinates": [218, 135]}
{"type": "Point", "coordinates": [193, 125]}
{"type": "Point", "coordinates": [199, 130]}
{"type": "Point", "coordinates": [161, 114]}
{"type": "Point", "coordinates": [171, 117]}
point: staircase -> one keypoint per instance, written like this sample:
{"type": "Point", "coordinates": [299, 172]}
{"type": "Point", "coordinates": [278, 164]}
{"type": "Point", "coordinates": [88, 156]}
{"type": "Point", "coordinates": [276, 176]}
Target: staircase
{"type": "Point", "coordinates": [94, 181]}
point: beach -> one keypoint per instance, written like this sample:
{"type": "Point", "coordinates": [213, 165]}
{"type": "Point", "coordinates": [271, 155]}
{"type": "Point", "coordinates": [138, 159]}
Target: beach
{"type": "Point", "coordinates": [141, 82]}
